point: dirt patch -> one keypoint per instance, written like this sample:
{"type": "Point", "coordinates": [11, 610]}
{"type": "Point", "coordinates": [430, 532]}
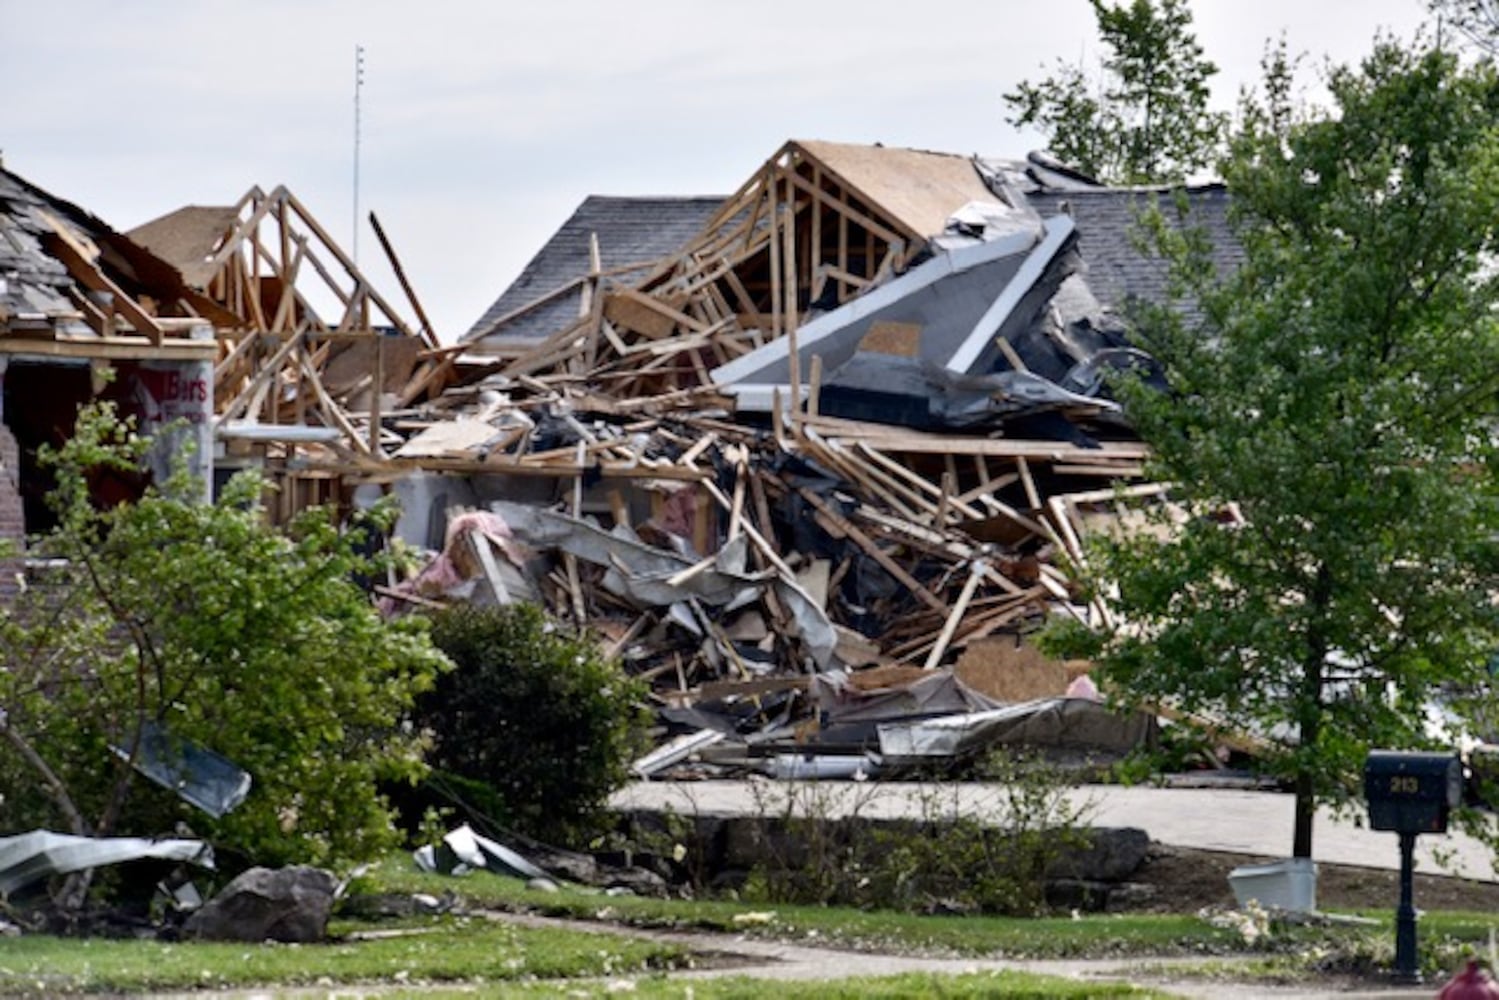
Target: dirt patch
{"type": "Point", "coordinates": [1183, 880]}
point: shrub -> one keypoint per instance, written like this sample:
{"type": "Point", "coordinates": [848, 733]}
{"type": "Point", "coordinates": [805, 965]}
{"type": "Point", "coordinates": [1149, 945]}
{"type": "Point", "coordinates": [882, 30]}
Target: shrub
{"type": "Point", "coordinates": [203, 618]}
{"type": "Point", "coordinates": [819, 849]}
{"type": "Point", "coordinates": [537, 713]}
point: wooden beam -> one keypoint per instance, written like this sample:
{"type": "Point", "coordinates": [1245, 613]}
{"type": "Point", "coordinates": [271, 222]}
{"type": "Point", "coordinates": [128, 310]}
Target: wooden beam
{"type": "Point", "coordinates": [65, 247]}
{"type": "Point", "coordinates": [425, 331]}
{"type": "Point", "coordinates": [841, 526]}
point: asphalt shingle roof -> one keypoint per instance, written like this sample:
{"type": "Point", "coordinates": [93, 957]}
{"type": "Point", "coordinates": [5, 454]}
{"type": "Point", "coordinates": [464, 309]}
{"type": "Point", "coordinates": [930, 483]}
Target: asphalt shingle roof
{"type": "Point", "coordinates": [631, 230]}
{"type": "Point", "coordinates": [1117, 269]}
{"type": "Point", "coordinates": [35, 283]}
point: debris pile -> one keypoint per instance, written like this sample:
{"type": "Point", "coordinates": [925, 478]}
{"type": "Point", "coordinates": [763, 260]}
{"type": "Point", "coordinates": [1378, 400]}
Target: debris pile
{"type": "Point", "coordinates": [813, 473]}
{"type": "Point", "coordinates": [785, 452]}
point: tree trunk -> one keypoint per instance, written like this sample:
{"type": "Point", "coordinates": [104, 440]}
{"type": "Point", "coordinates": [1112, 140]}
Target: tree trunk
{"type": "Point", "coordinates": [1309, 713]}
{"type": "Point", "coordinates": [1306, 809]}
{"type": "Point", "coordinates": [1310, 725]}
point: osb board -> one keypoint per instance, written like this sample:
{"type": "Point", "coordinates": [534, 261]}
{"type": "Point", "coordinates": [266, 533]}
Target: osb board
{"type": "Point", "coordinates": [1009, 669]}
{"type": "Point", "coordinates": [187, 238]}
{"type": "Point", "coordinates": [918, 189]}
{"type": "Point", "coordinates": [886, 337]}
{"type": "Point", "coordinates": [462, 434]}
{"type": "Point", "coordinates": [351, 361]}
{"type": "Point", "coordinates": [631, 315]}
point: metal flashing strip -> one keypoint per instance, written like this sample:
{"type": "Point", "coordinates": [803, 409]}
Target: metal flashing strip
{"type": "Point", "coordinates": [1059, 231]}
{"type": "Point", "coordinates": [739, 377]}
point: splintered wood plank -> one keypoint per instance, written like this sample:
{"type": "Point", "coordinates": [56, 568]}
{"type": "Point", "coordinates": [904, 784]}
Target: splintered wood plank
{"type": "Point", "coordinates": [761, 542]}
{"type": "Point", "coordinates": [814, 255]}
{"type": "Point", "coordinates": [744, 299]}
{"type": "Point", "coordinates": [425, 330]}
{"type": "Point", "coordinates": [886, 438]}
{"type": "Point", "coordinates": [914, 485]}
{"type": "Point", "coordinates": [840, 526]}
{"type": "Point", "coordinates": [788, 288]}
{"type": "Point", "coordinates": [1010, 355]}
{"type": "Point", "coordinates": [1032, 496]}
{"type": "Point", "coordinates": [975, 577]}
{"type": "Point", "coordinates": [814, 388]}
{"type": "Point", "coordinates": [331, 410]}
{"type": "Point", "coordinates": [860, 476]}
{"type": "Point", "coordinates": [776, 302]}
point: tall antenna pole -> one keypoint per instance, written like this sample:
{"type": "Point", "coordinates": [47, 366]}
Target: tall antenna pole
{"type": "Point", "coordinates": [358, 86]}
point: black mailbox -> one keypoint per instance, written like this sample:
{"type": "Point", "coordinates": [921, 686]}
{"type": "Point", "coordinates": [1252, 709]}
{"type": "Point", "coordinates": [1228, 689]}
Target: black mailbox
{"type": "Point", "coordinates": [1410, 791]}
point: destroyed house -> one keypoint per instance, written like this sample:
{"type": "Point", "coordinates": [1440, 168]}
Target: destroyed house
{"type": "Point", "coordinates": [844, 432]}
{"type": "Point", "coordinates": [312, 358]}
{"type": "Point", "coordinates": [245, 322]}
{"type": "Point", "coordinates": [87, 313]}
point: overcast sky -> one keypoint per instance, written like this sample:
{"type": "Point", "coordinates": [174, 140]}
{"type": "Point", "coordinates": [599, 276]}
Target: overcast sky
{"type": "Point", "coordinates": [485, 124]}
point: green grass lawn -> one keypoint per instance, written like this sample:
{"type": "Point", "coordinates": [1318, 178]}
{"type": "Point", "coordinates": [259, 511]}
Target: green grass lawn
{"type": "Point", "coordinates": [445, 950]}
{"type": "Point", "coordinates": [457, 955]}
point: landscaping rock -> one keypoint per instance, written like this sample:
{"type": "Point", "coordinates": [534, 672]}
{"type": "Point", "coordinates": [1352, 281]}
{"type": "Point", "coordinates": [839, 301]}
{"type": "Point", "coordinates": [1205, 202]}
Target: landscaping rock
{"type": "Point", "coordinates": [263, 904]}
{"type": "Point", "coordinates": [1113, 855]}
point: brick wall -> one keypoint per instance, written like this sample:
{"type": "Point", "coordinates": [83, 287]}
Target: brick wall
{"type": "Point", "coordinates": [12, 522]}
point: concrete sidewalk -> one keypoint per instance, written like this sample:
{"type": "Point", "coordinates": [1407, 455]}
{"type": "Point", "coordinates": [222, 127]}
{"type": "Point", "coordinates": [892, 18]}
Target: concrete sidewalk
{"type": "Point", "coordinates": [1243, 822]}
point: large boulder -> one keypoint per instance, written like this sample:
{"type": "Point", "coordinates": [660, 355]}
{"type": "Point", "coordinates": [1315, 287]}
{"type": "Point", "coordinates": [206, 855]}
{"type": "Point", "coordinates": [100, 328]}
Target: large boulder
{"type": "Point", "coordinates": [264, 904]}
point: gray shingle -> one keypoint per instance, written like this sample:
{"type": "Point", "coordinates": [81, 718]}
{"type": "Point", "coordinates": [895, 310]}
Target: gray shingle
{"type": "Point", "coordinates": [35, 282]}
{"type": "Point", "coordinates": [1108, 237]}
{"type": "Point", "coordinates": [631, 230]}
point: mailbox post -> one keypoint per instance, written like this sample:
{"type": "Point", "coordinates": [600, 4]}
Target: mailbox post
{"type": "Point", "coordinates": [1410, 793]}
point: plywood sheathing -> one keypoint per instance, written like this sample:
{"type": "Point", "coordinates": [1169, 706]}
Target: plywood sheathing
{"type": "Point", "coordinates": [920, 190]}
{"type": "Point", "coordinates": [188, 238]}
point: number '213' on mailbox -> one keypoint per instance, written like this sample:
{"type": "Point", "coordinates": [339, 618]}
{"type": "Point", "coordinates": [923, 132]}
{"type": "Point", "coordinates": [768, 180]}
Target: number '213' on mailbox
{"type": "Point", "coordinates": [1412, 791]}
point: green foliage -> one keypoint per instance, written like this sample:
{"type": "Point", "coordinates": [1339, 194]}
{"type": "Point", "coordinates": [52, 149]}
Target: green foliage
{"type": "Point", "coordinates": [821, 851]}
{"type": "Point", "coordinates": [1147, 119]}
{"type": "Point", "coordinates": [1339, 393]}
{"type": "Point", "coordinates": [200, 617]}
{"type": "Point", "coordinates": [1477, 20]}
{"type": "Point", "coordinates": [538, 714]}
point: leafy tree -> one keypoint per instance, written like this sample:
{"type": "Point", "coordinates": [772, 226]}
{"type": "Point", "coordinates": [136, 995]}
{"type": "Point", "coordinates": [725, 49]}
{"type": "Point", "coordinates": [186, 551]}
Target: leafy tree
{"type": "Point", "coordinates": [535, 712]}
{"type": "Point", "coordinates": [202, 619]}
{"type": "Point", "coordinates": [1477, 20]}
{"type": "Point", "coordinates": [1339, 387]}
{"type": "Point", "coordinates": [1147, 119]}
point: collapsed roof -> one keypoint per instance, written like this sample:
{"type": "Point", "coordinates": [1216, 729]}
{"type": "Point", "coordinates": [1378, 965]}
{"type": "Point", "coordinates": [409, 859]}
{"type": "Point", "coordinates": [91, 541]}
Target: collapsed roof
{"type": "Point", "coordinates": [851, 420]}
{"type": "Point", "coordinates": [859, 401]}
